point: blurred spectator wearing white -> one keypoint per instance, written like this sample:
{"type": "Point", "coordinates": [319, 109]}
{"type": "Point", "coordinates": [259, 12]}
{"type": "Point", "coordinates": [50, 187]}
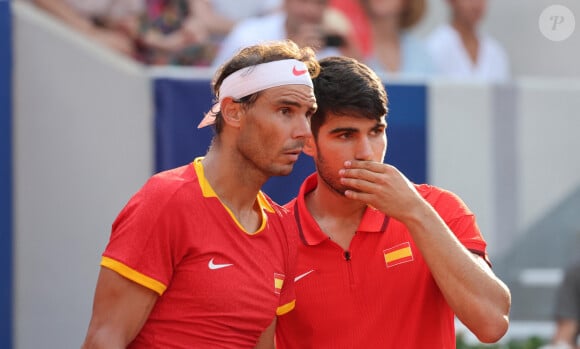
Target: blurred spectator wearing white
{"type": "Point", "coordinates": [306, 22]}
{"type": "Point", "coordinates": [220, 16]}
{"type": "Point", "coordinates": [242, 9]}
{"type": "Point", "coordinates": [189, 32]}
{"type": "Point", "coordinates": [394, 51]}
{"type": "Point", "coordinates": [461, 50]}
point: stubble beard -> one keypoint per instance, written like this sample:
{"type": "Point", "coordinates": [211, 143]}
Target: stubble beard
{"type": "Point", "coordinates": [333, 182]}
{"type": "Point", "coordinates": [259, 162]}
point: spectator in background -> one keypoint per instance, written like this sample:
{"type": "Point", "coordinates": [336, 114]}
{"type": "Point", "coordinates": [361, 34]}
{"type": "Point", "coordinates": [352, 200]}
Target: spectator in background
{"type": "Point", "coordinates": [242, 9]}
{"type": "Point", "coordinates": [157, 32]}
{"type": "Point", "coordinates": [461, 50]}
{"type": "Point", "coordinates": [195, 28]}
{"type": "Point", "coordinates": [394, 51]}
{"type": "Point", "coordinates": [354, 12]}
{"type": "Point", "coordinates": [177, 32]}
{"type": "Point", "coordinates": [102, 20]}
{"type": "Point", "coordinates": [218, 17]}
{"type": "Point", "coordinates": [307, 22]}
{"type": "Point", "coordinates": [567, 310]}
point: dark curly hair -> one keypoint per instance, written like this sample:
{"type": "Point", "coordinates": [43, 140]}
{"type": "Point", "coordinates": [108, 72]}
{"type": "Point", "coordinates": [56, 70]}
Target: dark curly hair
{"type": "Point", "coordinates": [345, 86]}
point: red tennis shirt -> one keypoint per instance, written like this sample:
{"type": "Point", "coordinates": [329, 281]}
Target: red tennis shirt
{"type": "Point", "coordinates": [219, 285]}
{"type": "Point", "coordinates": [378, 294]}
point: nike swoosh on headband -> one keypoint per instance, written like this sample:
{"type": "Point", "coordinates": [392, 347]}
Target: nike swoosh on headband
{"type": "Point", "coordinates": [298, 72]}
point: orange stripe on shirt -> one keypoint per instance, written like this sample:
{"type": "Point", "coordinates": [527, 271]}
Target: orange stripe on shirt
{"type": "Point", "coordinates": [283, 309]}
{"type": "Point", "coordinates": [133, 275]}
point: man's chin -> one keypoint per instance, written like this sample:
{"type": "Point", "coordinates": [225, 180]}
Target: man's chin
{"type": "Point", "coordinates": [283, 170]}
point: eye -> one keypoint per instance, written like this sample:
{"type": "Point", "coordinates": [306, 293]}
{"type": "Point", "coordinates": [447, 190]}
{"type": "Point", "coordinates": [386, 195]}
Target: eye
{"type": "Point", "coordinates": [345, 135]}
{"type": "Point", "coordinates": [378, 131]}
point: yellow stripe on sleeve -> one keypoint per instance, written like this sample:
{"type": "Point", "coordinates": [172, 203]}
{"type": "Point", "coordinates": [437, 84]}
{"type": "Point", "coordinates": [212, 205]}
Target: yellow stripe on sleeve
{"type": "Point", "coordinates": [133, 275]}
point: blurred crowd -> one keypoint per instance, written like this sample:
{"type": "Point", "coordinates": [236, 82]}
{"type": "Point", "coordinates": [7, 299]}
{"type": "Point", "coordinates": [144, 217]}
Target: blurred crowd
{"type": "Point", "coordinates": [377, 32]}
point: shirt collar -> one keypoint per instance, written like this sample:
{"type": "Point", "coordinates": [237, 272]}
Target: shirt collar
{"type": "Point", "coordinates": [373, 221]}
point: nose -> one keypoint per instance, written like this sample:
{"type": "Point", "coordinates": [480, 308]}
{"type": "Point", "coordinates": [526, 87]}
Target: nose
{"type": "Point", "coordinates": [364, 149]}
{"type": "Point", "coordinates": [302, 128]}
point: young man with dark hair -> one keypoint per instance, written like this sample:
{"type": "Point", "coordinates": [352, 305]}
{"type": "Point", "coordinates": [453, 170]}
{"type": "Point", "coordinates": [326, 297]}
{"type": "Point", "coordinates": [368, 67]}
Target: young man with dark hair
{"type": "Point", "coordinates": [383, 262]}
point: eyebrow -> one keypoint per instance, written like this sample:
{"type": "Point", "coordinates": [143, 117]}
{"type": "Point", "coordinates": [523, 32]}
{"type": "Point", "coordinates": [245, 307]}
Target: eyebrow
{"type": "Point", "coordinates": [378, 125]}
{"type": "Point", "coordinates": [288, 102]}
{"type": "Point", "coordinates": [344, 129]}
{"type": "Point", "coordinates": [311, 109]}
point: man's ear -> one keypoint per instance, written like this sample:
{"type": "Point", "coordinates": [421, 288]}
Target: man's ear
{"type": "Point", "coordinates": [231, 111]}
{"type": "Point", "coordinates": [310, 147]}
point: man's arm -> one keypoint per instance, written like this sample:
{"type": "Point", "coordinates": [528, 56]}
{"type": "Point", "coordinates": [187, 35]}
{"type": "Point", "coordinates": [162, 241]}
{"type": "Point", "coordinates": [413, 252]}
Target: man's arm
{"type": "Point", "coordinates": [83, 24]}
{"type": "Point", "coordinates": [479, 299]}
{"type": "Point", "coordinates": [63, 11]}
{"type": "Point", "coordinates": [214, 22]}
{"type": "Point", "coordinates": [120, 309]}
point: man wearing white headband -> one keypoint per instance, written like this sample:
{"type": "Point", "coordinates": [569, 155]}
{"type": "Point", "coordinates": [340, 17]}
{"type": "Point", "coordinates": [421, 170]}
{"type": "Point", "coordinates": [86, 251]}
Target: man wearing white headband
{"type": "Point", "coordinates": [200, 257]}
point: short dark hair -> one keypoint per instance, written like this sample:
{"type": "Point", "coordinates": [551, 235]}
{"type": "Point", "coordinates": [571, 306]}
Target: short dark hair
{"type": "Point", "coordinates": [345, 86]}
{"type": "Point", "coordinates": [257, 54]}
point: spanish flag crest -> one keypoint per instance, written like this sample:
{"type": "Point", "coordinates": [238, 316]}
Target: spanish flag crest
{"type": "Point", "coordinates": [278, 282]}
{"type": "Point", "coordinates": [398, 254]}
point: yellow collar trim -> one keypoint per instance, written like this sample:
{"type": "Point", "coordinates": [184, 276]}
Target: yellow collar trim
{"type": "Point", "coordinates": [208, 192]}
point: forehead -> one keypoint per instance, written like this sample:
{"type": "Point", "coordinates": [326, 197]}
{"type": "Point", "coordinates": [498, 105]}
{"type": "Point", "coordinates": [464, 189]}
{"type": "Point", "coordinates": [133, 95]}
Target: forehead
{"type": "Point", "coordinates": [352, 121]}
{"type": "Point", "coordinates": [300, 94]}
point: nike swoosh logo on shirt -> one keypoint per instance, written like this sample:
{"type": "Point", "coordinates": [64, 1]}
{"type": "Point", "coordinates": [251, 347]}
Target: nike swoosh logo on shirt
{"type": "Point", "coordinates": [303, 275]}
{"type": "Point", "coordinates": [214, 266]}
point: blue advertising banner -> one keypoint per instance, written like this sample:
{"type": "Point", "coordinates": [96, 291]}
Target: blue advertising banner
{"type": "Point", "coordinates": [5, 175]}
{"type": "Point", "coordinates": [180, 105]}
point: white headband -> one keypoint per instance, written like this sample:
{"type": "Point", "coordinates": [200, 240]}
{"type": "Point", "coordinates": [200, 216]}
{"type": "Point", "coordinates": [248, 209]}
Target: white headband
{"type": "Point", "coordinates": [252, 79]}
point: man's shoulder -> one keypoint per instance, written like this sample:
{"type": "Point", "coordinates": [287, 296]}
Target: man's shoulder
{"type": "Point", "coordinates": [435, 194]}
{"type": "Point", "coordinates": [175, 176]}
{"type": "Point", "coordinates": [447, 203]}
{"type": "Point", "coordinates": [169, 182]}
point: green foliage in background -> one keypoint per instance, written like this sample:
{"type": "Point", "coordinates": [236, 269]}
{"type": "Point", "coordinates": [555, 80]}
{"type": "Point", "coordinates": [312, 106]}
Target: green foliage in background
{"type": "Point", "coordinates": [530, 343]}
